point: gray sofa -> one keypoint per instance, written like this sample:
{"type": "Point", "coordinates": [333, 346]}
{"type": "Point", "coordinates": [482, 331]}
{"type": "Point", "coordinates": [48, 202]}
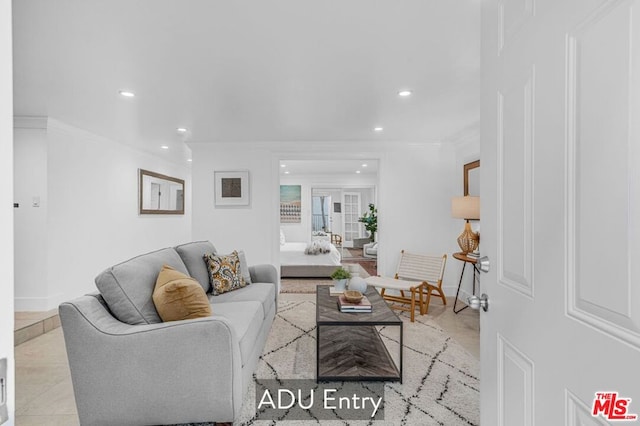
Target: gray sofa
{"type": "Point", "coordinates": [130, 368]}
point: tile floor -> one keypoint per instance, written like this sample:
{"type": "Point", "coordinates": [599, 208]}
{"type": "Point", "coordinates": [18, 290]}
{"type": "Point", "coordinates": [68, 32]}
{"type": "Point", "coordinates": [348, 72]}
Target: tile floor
{"type": "Point", "coordinates": [44, 393]}
{"type": "Point", "coordinates": [28, 325]}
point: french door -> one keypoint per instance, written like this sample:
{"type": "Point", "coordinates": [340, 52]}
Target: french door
{"type": "Point", "coordinates": [352, 228]}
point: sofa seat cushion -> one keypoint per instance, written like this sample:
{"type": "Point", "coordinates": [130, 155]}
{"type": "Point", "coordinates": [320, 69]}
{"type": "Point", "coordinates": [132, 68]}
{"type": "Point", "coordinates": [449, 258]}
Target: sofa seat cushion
{"type": "Point", "coordinates": [246, 319]}
{"type": "Point", "coordinates": [265, 293]}
{"type": "Point", "coordinates": [192, 256]}
{"type": "Point", "coordinates": [128, 286]}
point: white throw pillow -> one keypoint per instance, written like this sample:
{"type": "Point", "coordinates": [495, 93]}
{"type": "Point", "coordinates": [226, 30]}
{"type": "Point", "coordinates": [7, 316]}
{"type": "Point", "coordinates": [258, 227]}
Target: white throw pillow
{"type": "Point", "coordinates": [318, 247]}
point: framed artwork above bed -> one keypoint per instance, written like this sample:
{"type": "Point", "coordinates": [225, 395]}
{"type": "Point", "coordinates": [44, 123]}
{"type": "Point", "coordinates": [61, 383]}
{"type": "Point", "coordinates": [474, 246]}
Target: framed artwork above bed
{"type": "Point", "coordinates": [290, 203]}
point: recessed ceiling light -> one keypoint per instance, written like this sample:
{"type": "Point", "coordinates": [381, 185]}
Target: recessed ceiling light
{"type": "Point", "coordinates": [286, 172]}
{"type": "Point", "coordinates": [365, 165]}
{"type": "Point", "coordinates": [357, 171]}
{"type": "Point", "coordinates": [181, 130]}
{"type": "Point", "coordinates": [127, 94]}
{"type": "Point", "coordinates": [283, 165]}
{"type": "Point", "coordinates": [378, 129]}
{"type": "Point", "coordinates": [164, 147]}
{"type": "Point", "coordinates": [404, 93]}
{"type": "Point", "coordinates": [189, 159]}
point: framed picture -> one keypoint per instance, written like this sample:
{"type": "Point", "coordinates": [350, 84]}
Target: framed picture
{"type": "Point", "coordinates": [290, 203]}
{"type": "Point", "coordinates": [232, 188]}
{"type": "Point", "coordinates": [337, 208]}
{"type": "Point", "coordinates": [160, 194]}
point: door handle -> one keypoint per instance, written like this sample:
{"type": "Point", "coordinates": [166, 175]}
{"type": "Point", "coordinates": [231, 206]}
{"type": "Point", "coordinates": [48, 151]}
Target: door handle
{"type": "Point", "coordinates": [484, 264]}
{"type": "Point", "coordinates": [476, 302]}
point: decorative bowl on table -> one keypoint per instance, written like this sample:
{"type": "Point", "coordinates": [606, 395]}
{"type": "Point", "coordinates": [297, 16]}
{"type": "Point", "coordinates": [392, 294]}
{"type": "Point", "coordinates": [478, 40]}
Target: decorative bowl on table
{"type": "Point", "coordinates": [353, 296]}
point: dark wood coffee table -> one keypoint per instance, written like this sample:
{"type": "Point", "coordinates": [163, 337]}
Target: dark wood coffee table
{"type": "Point", "coordinates": [348, 345]}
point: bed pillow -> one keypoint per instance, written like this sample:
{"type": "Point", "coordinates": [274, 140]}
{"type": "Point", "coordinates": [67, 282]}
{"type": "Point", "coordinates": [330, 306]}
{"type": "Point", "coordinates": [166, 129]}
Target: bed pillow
{"type": "Point", "coordinates": [179, 297]}
{"type": "Point", "coordinates": [283, 240]}
{"type": "Point", "coordinates": [318, 247]}
{"type": "Point", "coordinates": [224, 272]}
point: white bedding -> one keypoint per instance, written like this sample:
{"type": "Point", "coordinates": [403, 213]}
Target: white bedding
{"type": "Point", "coordinates": [293, 254]}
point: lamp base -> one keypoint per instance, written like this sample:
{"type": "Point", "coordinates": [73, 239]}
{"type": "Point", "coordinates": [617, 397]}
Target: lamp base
{"type": "Point", "coordinates": [468, 240]}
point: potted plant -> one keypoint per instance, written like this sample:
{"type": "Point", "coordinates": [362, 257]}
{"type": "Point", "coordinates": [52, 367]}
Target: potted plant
{"type": "Point", "coordinates": [340, 277]}
{"type": "Point", "coordinates": [370, 221]}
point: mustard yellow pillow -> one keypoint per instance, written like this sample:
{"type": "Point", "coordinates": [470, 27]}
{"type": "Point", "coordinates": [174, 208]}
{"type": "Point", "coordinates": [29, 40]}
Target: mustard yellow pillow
{"type": "Point", "coordinates": [224, 272]}
{"type": "Point", "coordinates": [179, 297]}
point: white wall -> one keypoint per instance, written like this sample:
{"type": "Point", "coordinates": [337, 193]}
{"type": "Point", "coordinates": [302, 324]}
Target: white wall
{"type": "Point", "coordinates": [249, 228]}
{"type": "Point", "coordinates": [349, 183]}
{"type": "Point", "coordinates": [467, 150]}
{"type": "Point", "coordinates": [414, 208]}
{"type": "Point", "coordinates": [30, 222]}
{"type": "Point", "coordinates": [414, 190]}
{"type": "Point", "coordinates": [92, 219]}
{"type": "Point", "coordinates": [6, 202]}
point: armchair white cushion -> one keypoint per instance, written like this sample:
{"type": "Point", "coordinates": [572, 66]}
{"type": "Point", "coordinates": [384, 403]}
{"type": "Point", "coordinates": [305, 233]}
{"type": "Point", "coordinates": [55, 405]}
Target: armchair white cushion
{"type": "Point", "coordinates": [370, 250]}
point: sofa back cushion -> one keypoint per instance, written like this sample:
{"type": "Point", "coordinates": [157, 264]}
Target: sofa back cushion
{"type": "Point", "coordinates": [192, 256]}
{"type": "Point", "coordinates": [128, 286]}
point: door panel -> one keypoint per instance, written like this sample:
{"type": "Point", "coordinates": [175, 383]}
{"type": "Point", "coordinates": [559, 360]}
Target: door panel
{"type": "Point", "coordinates": [515, 121]}
{"type": "Point", "coordinates": [578, 414]}
{"type": "Point", "coordinates": [515, 381]}
{"type": "Point", "coordinates": [609, 143]}
{"type": "Point", "coordinates": [512, 17]}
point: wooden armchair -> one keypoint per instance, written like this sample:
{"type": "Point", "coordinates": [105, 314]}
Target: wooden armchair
{"type": "Point", "coordinates": [417, 273]}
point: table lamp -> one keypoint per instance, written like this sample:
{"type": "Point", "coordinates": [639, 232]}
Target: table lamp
{"type": "Point", "coordinates": [467, 208]}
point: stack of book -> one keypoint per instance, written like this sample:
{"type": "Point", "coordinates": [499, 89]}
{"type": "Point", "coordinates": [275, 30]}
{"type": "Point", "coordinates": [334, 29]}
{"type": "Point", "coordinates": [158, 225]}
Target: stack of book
{"type": "Point", "coordinates": [363, 306]}
{"type": "Point", "coordinates": [334, 292]}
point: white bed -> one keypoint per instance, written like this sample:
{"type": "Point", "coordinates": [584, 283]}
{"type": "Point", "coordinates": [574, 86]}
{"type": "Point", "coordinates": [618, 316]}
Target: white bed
{"type": "Point", "coordinates": [295, 263]}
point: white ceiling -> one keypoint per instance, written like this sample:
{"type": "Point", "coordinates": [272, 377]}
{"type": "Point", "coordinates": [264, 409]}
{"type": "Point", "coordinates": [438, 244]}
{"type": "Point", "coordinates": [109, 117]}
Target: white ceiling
{"type": "Point", "coordinates": [250, 70]}
{"type": "Point", "coordinates": [328, 167]}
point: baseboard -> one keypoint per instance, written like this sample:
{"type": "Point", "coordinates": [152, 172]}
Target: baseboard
{"type": "Point", "coordinates": [29, 304]}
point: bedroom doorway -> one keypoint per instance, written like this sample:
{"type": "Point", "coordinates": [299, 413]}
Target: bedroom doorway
{"type": "Point", "coordinates": [332, 194]}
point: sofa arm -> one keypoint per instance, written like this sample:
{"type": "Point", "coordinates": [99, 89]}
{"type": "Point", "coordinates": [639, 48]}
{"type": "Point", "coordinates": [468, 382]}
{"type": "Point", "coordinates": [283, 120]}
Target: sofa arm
{"type": "Point", "coordinates": [265, 273]}
{"type": "Point", "coordinates": [173, 372]}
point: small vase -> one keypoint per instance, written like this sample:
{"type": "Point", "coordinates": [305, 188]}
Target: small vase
{"type": "Point", "coordinates": [340, 285]}
{"type": "Point", "coordinates": [358, 284]}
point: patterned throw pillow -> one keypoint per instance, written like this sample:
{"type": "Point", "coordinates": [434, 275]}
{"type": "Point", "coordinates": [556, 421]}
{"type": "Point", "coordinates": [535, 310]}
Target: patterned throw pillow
{"type": "Point", "coordinates": [224, 272]}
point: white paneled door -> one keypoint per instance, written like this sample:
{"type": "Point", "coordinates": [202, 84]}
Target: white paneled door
{"type": "Point", "coordinates": [352, 228]}
{"type": "Point", "coordinates": [561, 212]}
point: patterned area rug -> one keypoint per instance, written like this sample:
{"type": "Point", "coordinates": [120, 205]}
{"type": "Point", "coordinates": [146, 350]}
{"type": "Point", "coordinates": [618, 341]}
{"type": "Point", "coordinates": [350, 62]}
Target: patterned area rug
{"type": "Point", "coordinates": [440, 384]}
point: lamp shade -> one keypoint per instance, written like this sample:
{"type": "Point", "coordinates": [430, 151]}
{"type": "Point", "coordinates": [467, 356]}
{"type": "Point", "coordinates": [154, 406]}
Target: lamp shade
{"type": "Point", "coordinates": [465, 207]}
